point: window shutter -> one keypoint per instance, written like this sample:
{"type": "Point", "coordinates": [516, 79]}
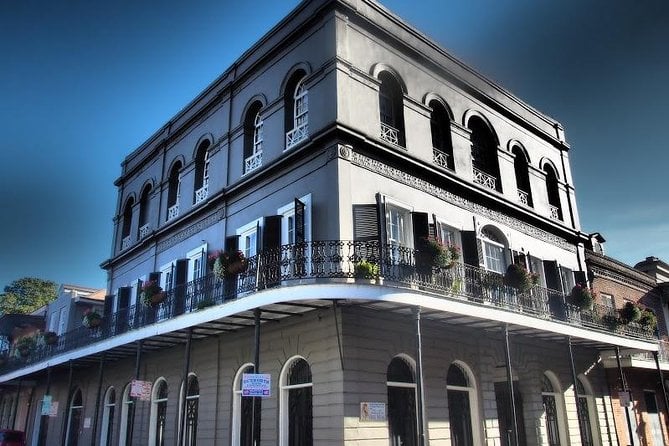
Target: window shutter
{"type": "Point", "coordinates": [109, 305]}
{"type": "Point", "coordinates": [122, 315]}
{"type": "Point", "coordinates": [365, 222]}
{"type": "Point", "coordinates": [552, 273]}
{"type": "Point", "coordinates": [579, 277]}
{"type": "Point", "coordinates": [421, 228]}
{"type": "Point", "coordinates": [155, 276]}
{"type": "Point", "coordinates": [271, 235]}
{"type": "Point", "coordinates": [232, 243]}
{"type": "Point", "coordinates": [299, 221]}
{"type": "Point", "coordinates": [470, 248]}
{"type": "Point", "coordinates": [124, 296]}
{"type": "Point", "coordinates": [381, 218]}
{"type": "Point", "coordinates": [180, 285]}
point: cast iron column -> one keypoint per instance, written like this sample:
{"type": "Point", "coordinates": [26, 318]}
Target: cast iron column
{"type": "Point", "coordinates": [256, 402]}
{"type": "Point", "coordinates": [184, 402]}
{"type": "Point", "coordinates": [664, 390]}
{"type": "Point", "coordinates": [132, 407]}
{"type": "Point", "coordinates": [512, 396]}
{"type": "Point", "coordinates": [420, 396]}
{"type": "Point", "coordinates": [623, 385]}
{"type": "Point", "coordinates": [97, 400]}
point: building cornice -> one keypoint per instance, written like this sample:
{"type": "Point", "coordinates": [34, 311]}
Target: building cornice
{"type": "Point", "coordinates": [604, 266]}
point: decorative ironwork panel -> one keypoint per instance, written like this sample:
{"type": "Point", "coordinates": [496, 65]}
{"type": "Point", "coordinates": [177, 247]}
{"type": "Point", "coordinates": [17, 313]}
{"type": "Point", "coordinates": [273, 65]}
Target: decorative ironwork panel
{"type": "Point", "coordinates": [202, 193]}
{"type": "Point", "coordinates": [524, 197]}
{"type": "Point", "coordinates": [552, 429]}
{"type": "Point", "coordinates": [144, 231]}
{"type": "Point", "coordinates": [253, 162]}
{"type": "Point", "coordinates": [297, 135]}
{"type": "Point", "coordinates": [440, 158]}
{"type": "Point", "coordinates": [390, 134]}
{"type": "Point", "coordinates": [484, 179]}
{"type": "Point", "coordinates": [173, 212]}
{"type": "Point", "coordinates": [555, 212]}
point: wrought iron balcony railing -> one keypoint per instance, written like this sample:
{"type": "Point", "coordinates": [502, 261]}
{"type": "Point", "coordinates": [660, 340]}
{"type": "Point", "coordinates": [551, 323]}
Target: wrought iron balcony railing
{"type": "Point", "coordinates": [524, 197]}
{"type": "Point", "coordinates": [398, 266]}
{"type": "Point", "coordinates": [555, 212]}
{"type": "Point", "coordinates": [390, 134]}
{"type": "Point", "coordinates": [440, 158]}
{"type": "Point", "coordinates": [484, 179]}
{"type": "Point", "coordinates": [297, 135]}
{"type": "Point", "coordinates": [173, 212]}
{"type": "Point", "coordinates": [202, 193]}
{"type": "Point", "coordinates": [144, 231]}
{"type": "Point", "coordinates": [126, 242]}
{"type": "Point", "coordinates": [253, 162]}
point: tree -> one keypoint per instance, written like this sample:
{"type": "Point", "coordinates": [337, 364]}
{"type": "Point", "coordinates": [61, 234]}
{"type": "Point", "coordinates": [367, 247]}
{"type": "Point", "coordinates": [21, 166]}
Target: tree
{"type": "Point", "coordinates": [25, 295]}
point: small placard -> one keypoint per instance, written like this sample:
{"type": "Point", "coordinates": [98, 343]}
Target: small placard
{"type": "Point", "coordinates": [256, 385]}
{"type": "Point", "coordinates": [372, 411]}
{"type": "Point", "coordinates": [624, 398]}
{"type": "Point", "coordinates": [46, 405]}
{"type": "Point", "coordinates": [87, 423]}
{"type": "Point", "coordinates": [140, 389]}
{"type": "Point", "coordinates": [54, 409]}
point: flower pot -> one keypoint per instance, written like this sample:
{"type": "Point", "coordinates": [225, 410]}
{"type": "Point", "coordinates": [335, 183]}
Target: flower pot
{"type": "Point", "coordinates": [93, 322]}
{"type": "Point", "coordinates": [50, 338]}
{"type": "Point", "coordinates": [157, 298]}
{"type": "Point", "coordinates": [236, 267]}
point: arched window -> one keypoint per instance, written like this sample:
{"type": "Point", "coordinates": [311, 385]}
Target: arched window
{"type": "Point", "coordinates": [192, 405]}
{"type": "Point", "coordinates": [158, 415]}
{"type": "Point", "coordinates": [242, 410]}
{"type": "Point", "coordinates": [402, 421]}
{"type": "Point", "coordinates": [107, 425]}
{"type": "Point", "coordinates": [127, 407]}
{"type": "Point", "coordinates": [144, 210]}
{"type": "Point", "coordinates": [521, 167]}
{"type": "Point", "coordinates": [202, 172]}
{"type": "Point", "coordinates": [253, 138]}
{"type": "Point", "coordinates": [484, 154]}
{"type": "Point", "coordinates": [297, 110]}
{"type": "Point", "coordinates": [296, 413]}
{"type": "Point", "coordinates": [553, 193]}
{"type": "Point", "coordinates": [461, 406]}
{"type": "Point", "coordinates": [494, 249]}
{"type": "Point", "coordinates": [74, 419]}
{"type": "Point", "coordinates": [585, 406]}
{"type": "Point", "coordinates": [174, 191]}
{"type": "Point", "coordinates": [391, 109]}
{"type": "Point", "coordinates": [553, 403]}
{"type": "Point", "coordinates": [126, 239]}
{"type": "Point", "coordinates": [442, 146]}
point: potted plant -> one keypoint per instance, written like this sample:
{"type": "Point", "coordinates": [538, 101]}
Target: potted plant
{"type": "Point", "coordinates": [520, 278]}
{"type": "Point", "coordinates": [92, 318]}
{"type": "Point", "coordinates": [227, 264]}
{"type": "Point", "coordinates": [612, 321]}
{"type": "Point", "coordinates": [151, 293]}
{"type": "Point", "coordinates": [50, 337]}
{"type": "Point", "coordinates": [630, 313]}
{"type": "Point", "coordinates": [365, 270]}
{"type": "Point", "coordinates": [648, 319]}
{"type": "Point", "coordinates": [204, 303]}
{"type": "Point", "coordinates": [26, 345]}
{"type": "Point", "coordinates": [581, 297]}
{"type": "Point", "coordinates": [439, 255]}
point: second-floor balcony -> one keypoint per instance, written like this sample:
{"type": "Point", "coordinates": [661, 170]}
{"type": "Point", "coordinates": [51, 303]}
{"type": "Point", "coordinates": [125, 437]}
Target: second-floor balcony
{"type": "Point", "coordinates": [253, 162]}
{"type": "Point", "coordinates": [297, 135]}
{"type": "Point", "coordinates": [336, 263]}
{"type": "Point", "coordinates": [173, 212]}
{"type": "Point", "coordinates": [126, 242]}
{"type": "Point", "coordinates": [484, 179]}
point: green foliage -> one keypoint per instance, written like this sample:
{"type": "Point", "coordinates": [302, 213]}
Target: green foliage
{"type": "Point", "coordinates": [630, 313]}
{"type": "Point", "coordinates": [26, 295]}
{"type": "Point", "coordinates": [366, 270]}
{"type": "Point", "coordinates": [648, 319]}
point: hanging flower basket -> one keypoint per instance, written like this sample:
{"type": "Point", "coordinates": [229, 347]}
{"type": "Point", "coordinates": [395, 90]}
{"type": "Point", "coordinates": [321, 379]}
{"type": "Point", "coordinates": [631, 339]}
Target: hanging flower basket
{"type": "Point", "coordinates": [226, 264]}
{"type": "Point", "coordinates": [648, 319]}
{"type": "Point", "coordinates": [581, 297]}
{"type": "Point", "coordinates": [151, 294]}
{"type": "Point", "coordinates": [25, 346]}
{"type": "Point", "coordinates": [50, 338]}
{"type": "Point", "coordinates": [520, 278]}
{"type": "Point", "coordinates": [92, 319]}
{"type": "Point", "coordinates": [630, 313]}
{"type": "Point", "coordinates": [438, 255]}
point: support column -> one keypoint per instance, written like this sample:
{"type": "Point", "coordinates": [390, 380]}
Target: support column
{"type": "Point", "coordinates": [623, 385]}
{"type": "Point", "coordinates": [257, 405]}
{"type": "Point", "coordinates": [575, 384]}
{"type": "Point", "coordinates": [96, 414]}
{"type": "Point", "coordinates": [420, 395]}
{"type": "Point", "coordinates": [664, 390]}
{"type": "Point", "coordinates": [184, 402]}
{"type": "Point", "coordinates": [133, 406]}
{"type": "Point", "coordinates": [44, 419]}
{"type": "Point", "coordinates": [512, 396]}
{"type": "Point", "coordinates": [16, 404]}
{"type": "Point", "coordinates": [68, 400]}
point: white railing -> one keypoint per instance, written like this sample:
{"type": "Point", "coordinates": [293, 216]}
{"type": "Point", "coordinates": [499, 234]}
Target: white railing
{"type": "Point", "coordinates": [253, 162]}
{"type": "Point", "coordinates": [524, 197]}
{"type": "Point", "coordinates": [202, 193]}
{"type": "Point", "coordinates": [297, 135]}
{"type": "Point", "coordinates": [173, 212]}
{"type": "Point", "coordinates": [555, 212]}
{"type": "Point", "coordinates": [390, 134]}
{"type": "Point", "coordinates": [144, 231]}
{"type": "Point", "coordinates": [440, 158]}
{"type": "Point", "coordinates": [485, 179]}
{"type": "Point", "coordinates": [126, 242]}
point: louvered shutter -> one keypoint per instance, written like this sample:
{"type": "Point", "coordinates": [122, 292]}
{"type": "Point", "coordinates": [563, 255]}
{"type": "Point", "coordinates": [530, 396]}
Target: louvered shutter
{"type": "Point", "coordinates": [470, 248]}
{"type": "Point", "coordinates": [271, 234]}
{"type": "Point", "coordinates": [365, 222]}
{"type": "Point", "coordinates": [299, 221]}
{"type": "Point", "coordinates": [180, 285]}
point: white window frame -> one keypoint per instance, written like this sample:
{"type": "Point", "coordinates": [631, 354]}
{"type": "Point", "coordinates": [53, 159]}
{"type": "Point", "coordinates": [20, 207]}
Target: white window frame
{"type": "Point", "coordinates": [288, 211]}
{"type": "Point", "coordinates": [592, 409]}
{"type": "Point", "coordinates": [284, 390]}
{"type": "Point", "coordinates": [107, 406]}
{"type": "Point", "coordinates": [493, 244]}
{"type": "Point", "coordinates": [258, 133]}
{"type": "Point", "coordinates": [196, 256]}
{"type": "Point", "coordinates": [406, 227]}
{"type": "Point", "coordinates": [608, 301]}
{"type": "Point", "coordinates": [70, 411]}
{"type": "Point", "coordinates": [559, 407]}
{"type": "Point", "coordinates": [183, 408]}
{"type": "Point", "coordinates": [472, 391]}
{"type": "Point", "coordinates": [249, 230]}
{"type": "Point", "coordinates": [167, 275]}
{"type": "Point", "coordinates": [153, 417]}
{"type": "Point", "coordinates": [300, 105]}
{"type": "Point", "coordinates": [62, 320]}
{"type": "Point", "coordinates": [126, 403]}
{"type": "Point", "coordinates": [237, 404]}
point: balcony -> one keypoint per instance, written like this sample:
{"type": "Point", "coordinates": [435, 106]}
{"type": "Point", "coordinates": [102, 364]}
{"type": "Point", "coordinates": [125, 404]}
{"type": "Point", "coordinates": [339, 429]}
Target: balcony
{"type": "Point", "coordinates": [555, 212]}
{"type": "Point", "coordinates": [297, 135]}
{"type": "Point", "coordinates": [523, 197]}
{"type": "Point", "coordinates": [173, 212]}
{"type": "Point", "coordinates": [253, 162]}
{"type": "Point", "coordinates": [485, 179]}
{"type": "Point", "coordinates": [144, 231]}
{"type": "Point", "coordinates": [126, 242]}
{"type": "Point", "coordinates": [390, 134]}
{"type": "Point", "coordinates": [333, 262]}
{"type": "Point", "coordinates": [441, 159]}
{"type": "Point", "coordinates": [201, 194]}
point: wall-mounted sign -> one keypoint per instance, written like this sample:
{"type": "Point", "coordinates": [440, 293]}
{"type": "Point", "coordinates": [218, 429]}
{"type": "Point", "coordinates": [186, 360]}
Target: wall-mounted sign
{"type": "Point", "coordinates": [140, 389]}
{"type": "Point", "coordinates": [624, 398]}
{"type": "Point", "coordinates": [46, 405]}
{"type": "Point", "coordinates": [372, 411]}
{"type": "Point", "coordinates": [256, 384]}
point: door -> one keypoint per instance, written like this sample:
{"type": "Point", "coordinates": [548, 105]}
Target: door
{"type": "Point", "coordinates": [653, 418]}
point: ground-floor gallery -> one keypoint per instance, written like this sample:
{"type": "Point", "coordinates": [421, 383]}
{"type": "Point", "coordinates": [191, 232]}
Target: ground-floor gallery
{"type": "Point", "coordinates": [343, 374]}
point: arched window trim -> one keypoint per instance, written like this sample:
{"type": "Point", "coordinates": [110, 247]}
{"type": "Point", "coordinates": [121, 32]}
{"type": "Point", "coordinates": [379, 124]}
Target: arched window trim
{"type": "Point", "coordinates": [559, 406]}
{"type": "Point", "coordinates": [108, 412]}
{"type": "Point", "coordinates": [126, 410]}
{"type": "Point", "coordinates": [412, 439]}
{"type": "Point", "coordinates": [253, 137]}
{"type": "Point", "coordinates": [202, 172]}
{"type": "Point", "coordinates": [495, 249]}
{"type": "Point", "coordinates": [586, 398]}
{"type": "Point", "coordinates": [284, 389]}
{"type": "Point", "coordinates": [440, 128]}
{"type": "Point", "coordinates": [237, 403]}
{"type": "Point", "coordinates": [126, 227]}
{"type": "Point", "coordinates": [174, 191]}
{"type": "Point", "coordinates": [183, 393]}
{"type": "Point", "coordinates": [485, 162]}
{"type": "Point", "coordinates": [391, 107]}
{"type": "Point", "coordinates": [144, 211]}
{"type": "Point", "coordinates": [156, 401]}
{"type": "Point", "coordinates": [553, 191]}
{"type": "Point", "coordinates": [299, 112]}
{"type": "Point", "coordinates": [521, 165]}
{"type": "Point", "coordinates": [472, 391]}
{"type": "Point", "coordinates": [76, 404]}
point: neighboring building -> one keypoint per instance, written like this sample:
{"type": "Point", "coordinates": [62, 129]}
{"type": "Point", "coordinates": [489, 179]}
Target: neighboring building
{"type": "Point", "coordinates": [66, 312]}
{"type": "Point", "coordinates": [645, 418]}
{"type": "Point", "coordinates": [332, 155]}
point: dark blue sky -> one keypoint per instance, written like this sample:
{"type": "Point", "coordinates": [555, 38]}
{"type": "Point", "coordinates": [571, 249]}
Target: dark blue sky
{"type": "Point", "coordinates": [83, 83]}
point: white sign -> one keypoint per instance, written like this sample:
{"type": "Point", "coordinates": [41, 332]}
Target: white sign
{"type": "Point", "coordinates": [140, 389]}
{"type": "Point", "coordinates": [46, 405]}
{"type": "Point", "coordinates": [372, 411]}
{"type": "Point", "coordinates": [54, 409]}
{"type": "Point", "coordinates": [87, 423]}
{"type": "Point", "coordinates": [256, 384]}
{"type": "Point", "coordinates": [624, 398]}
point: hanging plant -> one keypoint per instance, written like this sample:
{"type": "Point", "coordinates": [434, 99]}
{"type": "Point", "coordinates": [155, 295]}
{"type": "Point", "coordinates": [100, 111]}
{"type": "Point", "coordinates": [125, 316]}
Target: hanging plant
{"type": "Point", "coordinates": [92, 318]}
{"type": "Point", "coordinates": [26, 345]}
{"type": "Point", "coordinates": [151, 294]}
{"type": "Point", "coordinates": [648, 319]}
{"type": "Point", "coordinates": [365, 270]}
{"type": "Point", "coordinates": [520, 278]}
{"type": "Point", "coordinates": [630, 313]}
{"type": "Point", "coordinates": [581, 297]}
{"type": "Point", "coordinates": [227, 264]}
{"type": "Point", "coordinates": [439, 255]}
